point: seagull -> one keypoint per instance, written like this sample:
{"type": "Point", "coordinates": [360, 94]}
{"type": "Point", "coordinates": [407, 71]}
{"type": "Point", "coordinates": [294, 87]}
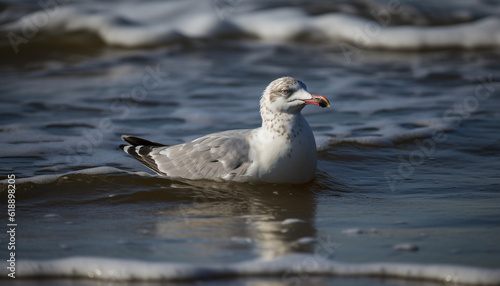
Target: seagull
{"type": "Point", "coordinates": [282, 150]}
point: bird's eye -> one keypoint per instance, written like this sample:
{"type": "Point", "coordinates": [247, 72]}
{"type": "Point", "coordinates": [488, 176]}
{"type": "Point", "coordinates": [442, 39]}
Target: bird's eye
{"type": "Point", "coordinates": [285, 91]}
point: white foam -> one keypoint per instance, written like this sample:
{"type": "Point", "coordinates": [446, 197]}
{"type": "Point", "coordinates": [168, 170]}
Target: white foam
{"type": "Point", "coordinates": [387, 133]}
{"type": "Point", "coordinates": [282, 24]}
{"type": "Point", "coordinates": [352, 231]}
{"type": "Point", "coordinates": [292, 266]}
{"type": "Point", "coordinates": [292, 221]}
{"type": "Point", "coordinates": [406, 247]}
{"type": "Point", "coordinates": [47, 179]}
{"type": "Point", "coordinates": [157, 23]}
{"type": "Point", "coordinates": [306, 240]}
{"type": "Point", "coordinates": [364, 140]}
{"type": "Point", "coordinates": [369, 34]}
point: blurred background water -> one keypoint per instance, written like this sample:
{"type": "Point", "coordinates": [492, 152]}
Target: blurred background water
{"type": "Point", "coordinates": [408, 153]}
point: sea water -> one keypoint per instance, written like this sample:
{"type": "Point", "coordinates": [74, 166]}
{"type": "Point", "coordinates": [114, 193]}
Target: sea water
{"type": "Point", "coordinates": [408, 178]}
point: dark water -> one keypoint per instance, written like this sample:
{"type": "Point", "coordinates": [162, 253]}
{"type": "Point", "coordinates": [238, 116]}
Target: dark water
{"type": "Point", "coordinates": [408, 153]}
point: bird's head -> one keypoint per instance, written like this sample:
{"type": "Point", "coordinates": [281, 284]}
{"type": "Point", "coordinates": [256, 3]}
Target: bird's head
{"type": "Point", "coordinates": [289, 95]}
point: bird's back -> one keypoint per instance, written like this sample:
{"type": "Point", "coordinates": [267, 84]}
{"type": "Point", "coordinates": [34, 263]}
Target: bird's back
{"type": "Point", "coordinates": [217, 156]}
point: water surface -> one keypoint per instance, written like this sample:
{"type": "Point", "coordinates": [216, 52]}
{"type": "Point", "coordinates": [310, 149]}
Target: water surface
{"type": "Point", "coordinates": [408, 153]}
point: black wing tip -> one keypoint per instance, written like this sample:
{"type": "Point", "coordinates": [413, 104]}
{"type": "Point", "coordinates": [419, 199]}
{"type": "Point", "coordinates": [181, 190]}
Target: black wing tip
{"type": "Point", "coordinates": [129, 139]}
{"type": "Point", "coordinates": [136, 141]}
{"type": "Point", "coordinates": [131, 150]}
{"type": "Point", "coordinates": [142, 154]}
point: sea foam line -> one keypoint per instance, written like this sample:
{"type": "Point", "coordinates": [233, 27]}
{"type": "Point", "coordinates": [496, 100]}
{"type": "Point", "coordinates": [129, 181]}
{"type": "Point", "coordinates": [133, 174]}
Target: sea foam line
{"type": "Point", "coordinates": [173, 21]}
{"type": "Point", "coordinates": [47, 179]}
{"type": "Point", "coordinates": [288, 268]}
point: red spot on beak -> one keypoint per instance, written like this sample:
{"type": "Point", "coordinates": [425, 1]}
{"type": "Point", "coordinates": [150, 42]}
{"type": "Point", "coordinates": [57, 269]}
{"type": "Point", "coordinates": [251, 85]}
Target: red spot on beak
{"type": "Point", "coordinates": [318, 100]}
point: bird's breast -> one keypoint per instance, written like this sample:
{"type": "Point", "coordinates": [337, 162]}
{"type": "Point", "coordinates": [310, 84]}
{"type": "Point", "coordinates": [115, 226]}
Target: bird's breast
{"type": "Point", "coordinates": [288, 157]}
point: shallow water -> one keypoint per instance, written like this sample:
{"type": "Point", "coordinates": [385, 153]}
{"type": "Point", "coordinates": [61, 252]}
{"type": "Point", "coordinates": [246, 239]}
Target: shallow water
{"type": "Point", "coordinates": [408, 153]}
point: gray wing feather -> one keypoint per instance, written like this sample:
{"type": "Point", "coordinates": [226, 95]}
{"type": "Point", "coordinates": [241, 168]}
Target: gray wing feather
{"type": "Point", "coordinates": [223, 155]}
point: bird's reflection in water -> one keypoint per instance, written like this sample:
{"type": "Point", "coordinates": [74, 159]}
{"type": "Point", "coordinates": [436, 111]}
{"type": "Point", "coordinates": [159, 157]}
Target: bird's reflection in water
{"type": "Point", "coordinates": [272, 219]}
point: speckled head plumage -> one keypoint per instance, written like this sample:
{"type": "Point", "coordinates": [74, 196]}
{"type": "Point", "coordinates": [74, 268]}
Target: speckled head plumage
{"type": "Point", "coordinates": [288, 95]}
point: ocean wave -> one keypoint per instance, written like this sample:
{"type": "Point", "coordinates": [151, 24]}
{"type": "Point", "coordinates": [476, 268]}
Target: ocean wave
{"type": "Point", "coordinates": [49, 179]}
{"type": "Point", "coordinates": [383, 133]}
{"type": "Point", "coordinates": [290, 268]}
{"type": "Point", "coordinates": [115, 176]}
{"type": "Point", "coordinates": [159, 23]}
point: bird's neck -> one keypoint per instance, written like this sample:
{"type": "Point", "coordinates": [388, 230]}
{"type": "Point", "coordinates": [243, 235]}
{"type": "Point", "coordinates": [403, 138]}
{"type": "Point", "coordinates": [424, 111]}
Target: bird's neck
{"type": "Point", "coordinates": [281, 123]}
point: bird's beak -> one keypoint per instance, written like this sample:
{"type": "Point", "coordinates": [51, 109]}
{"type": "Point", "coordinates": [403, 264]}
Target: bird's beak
{"type": "Point", "coordinates": [318, 100]}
